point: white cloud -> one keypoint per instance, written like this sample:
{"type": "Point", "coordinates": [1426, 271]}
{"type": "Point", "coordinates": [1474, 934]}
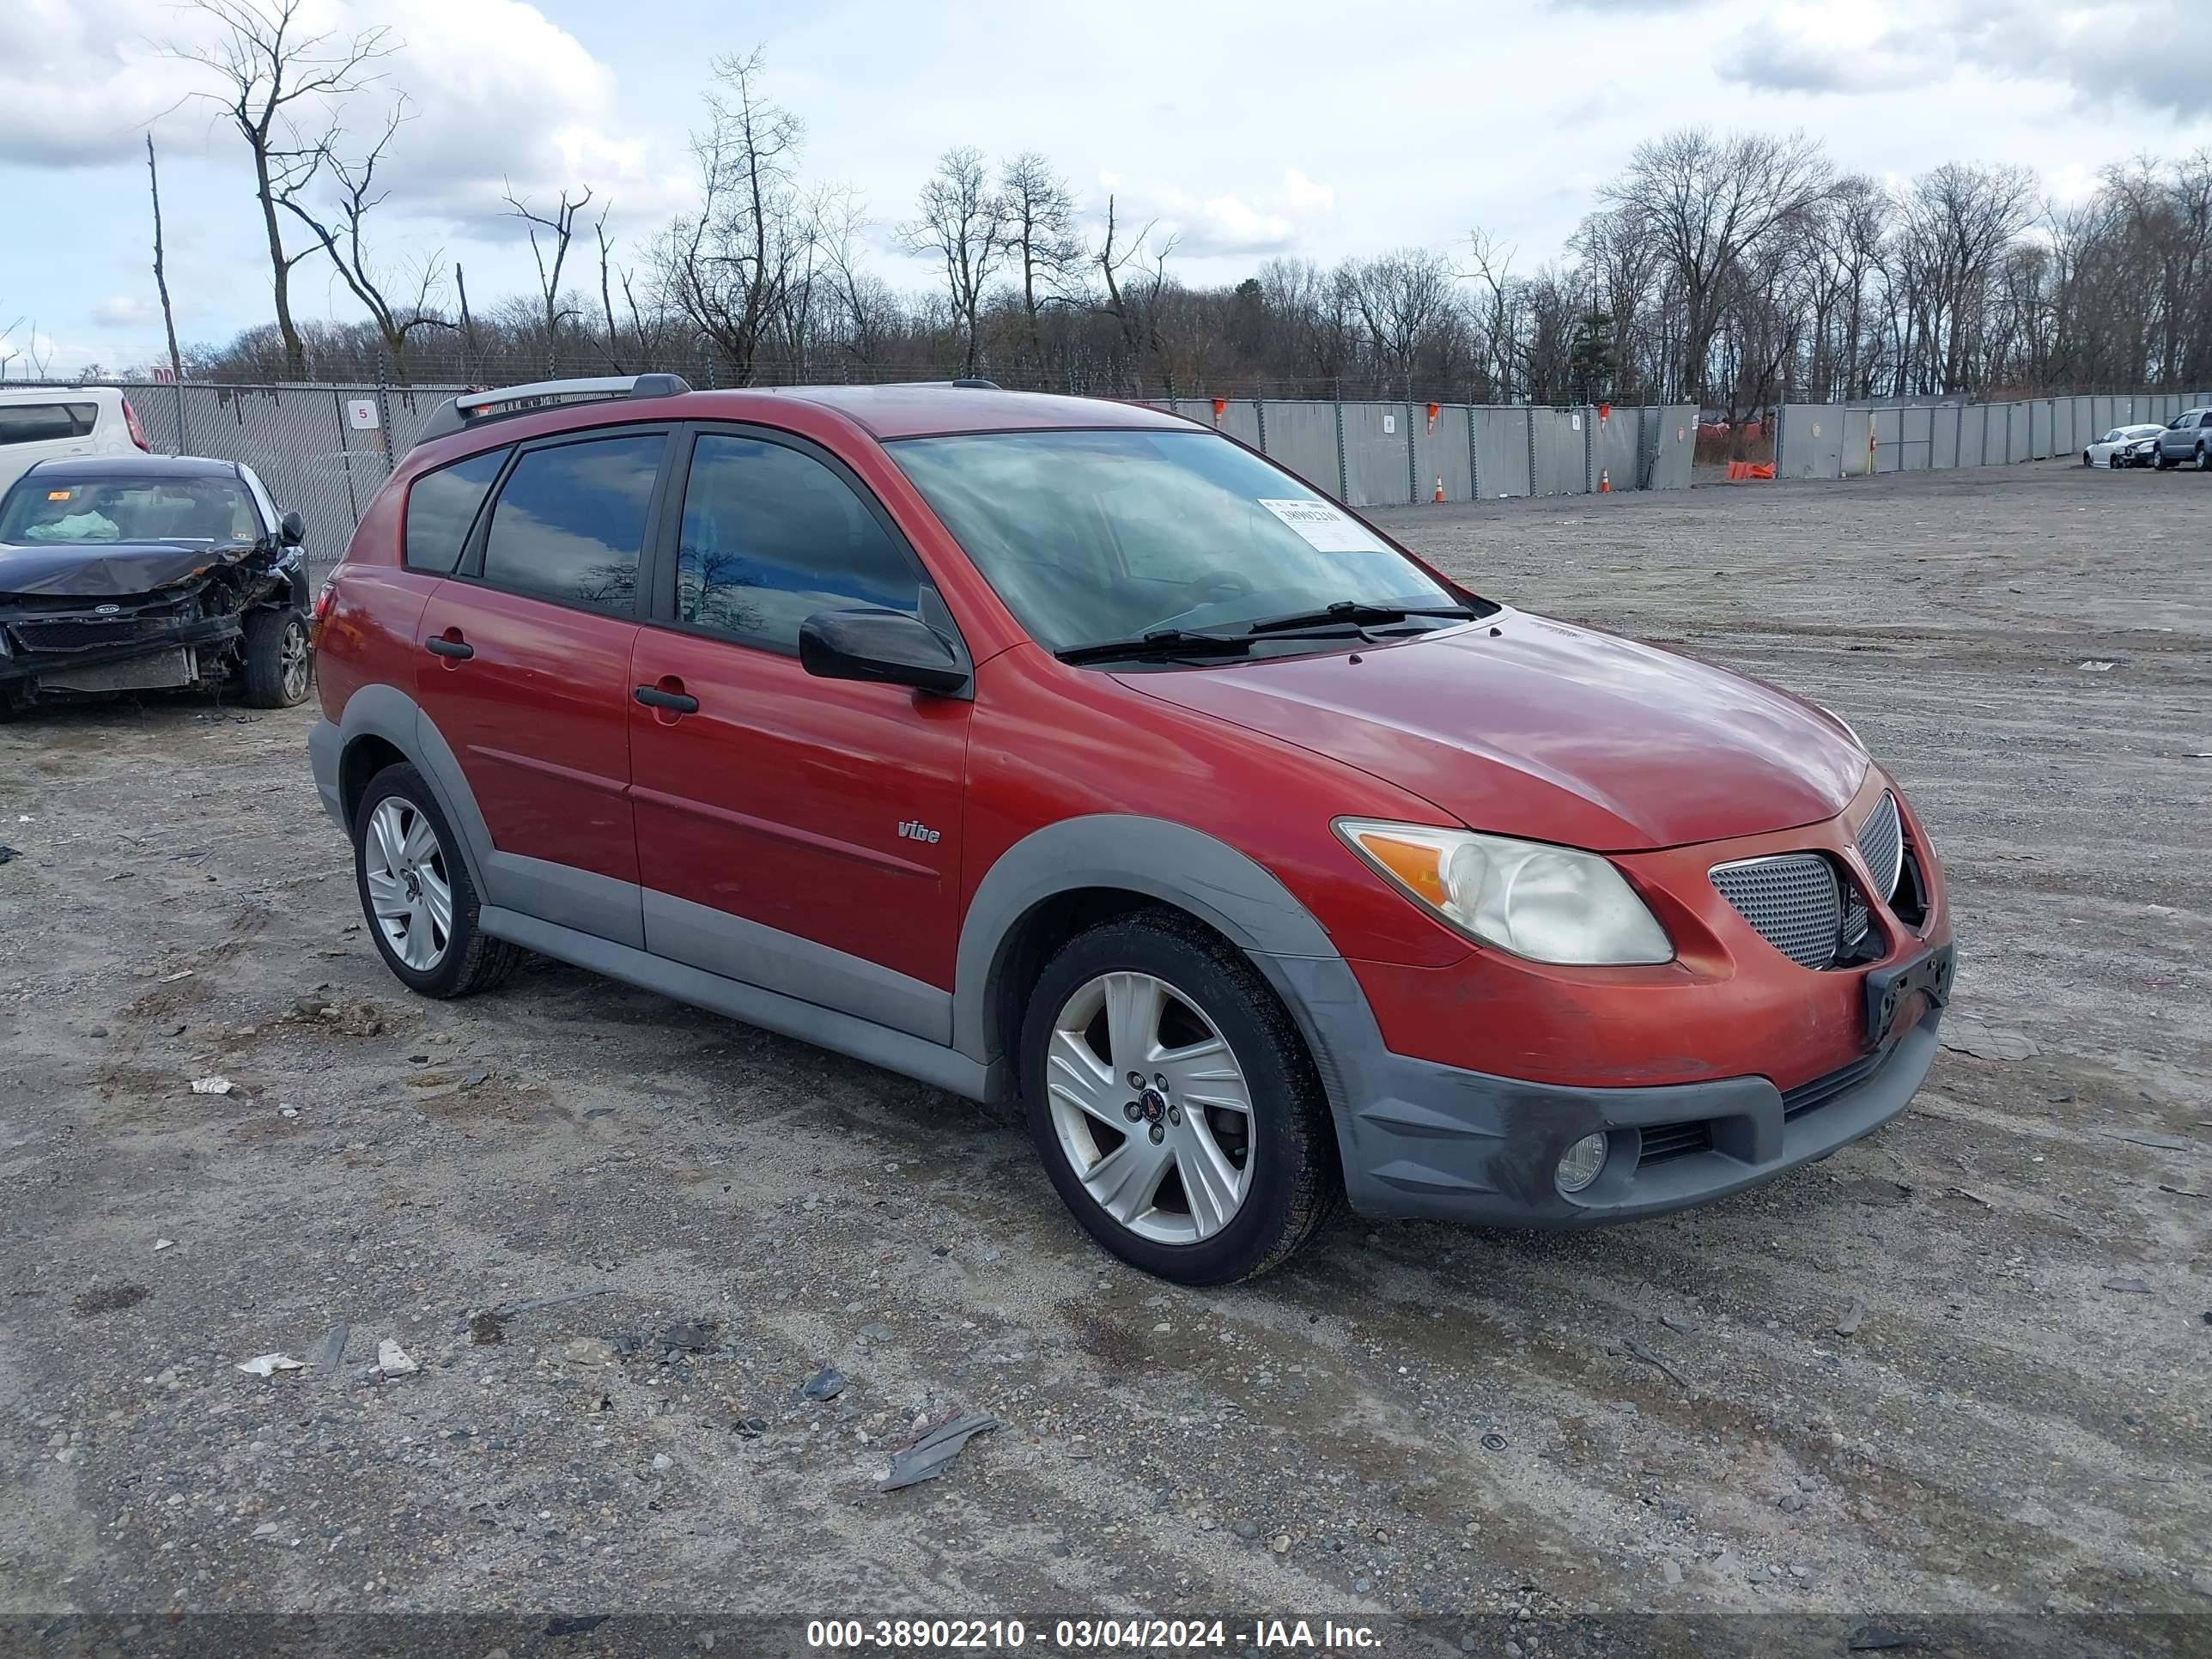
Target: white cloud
{"type": "Point", "coordinates": [2138, 52]}
{"type": "Point", "coordinates": [1301, 192]}
{"type": "Point", "coordinates": [126, 311]}
{"type": "Point", "coordinates": [79, 82]}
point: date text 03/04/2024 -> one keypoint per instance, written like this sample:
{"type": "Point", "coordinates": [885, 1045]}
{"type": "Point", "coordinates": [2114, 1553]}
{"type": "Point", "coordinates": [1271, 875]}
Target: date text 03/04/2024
{"type": "Point", "coordinates": [1090, 1635]}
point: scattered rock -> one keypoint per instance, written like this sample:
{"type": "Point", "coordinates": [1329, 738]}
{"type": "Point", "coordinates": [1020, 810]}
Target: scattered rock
{"type": "Point", "coordinates": [825, 1384]}
{"type": "Point", "coordinates": [1671, 1571]}
{"type": "Point", "coordinates": [2145, 1138]}
{"type": "Point", "coordinates": [1963, 1033]}
{"type": "Point", "coordinates": [268, 1364]}
{"type": "Point", "coordinates": [1849, 1323]}
{"type": "Point", "coordinates": [662, 1460]}
{"type": "Point", "coordinates": [2127, 1286]}
{"type": "Point", "coordinates": [212, 1085]}
{"type": "Point", "coordinates": [587, 1351]}
{"type": "Point", "coordinates": [751, 1428]}
{"type": "Point", "coordinates": [691, 1335]}
{"type": "Point", "coordinates": [1790, 1502]}
{"type": "Point", "coordinates": [391, 1359]}
{"type": "Point", "coordinates": [1281, 1546]}
{"type": "Point", "coordinates": [161, 1244]}
{"type": "Point", "coordinates": [1246, 1528]}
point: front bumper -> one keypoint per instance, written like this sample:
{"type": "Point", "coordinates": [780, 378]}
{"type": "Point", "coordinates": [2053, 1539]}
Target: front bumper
{"type": "Point", "coordinates": [1463, 1147]}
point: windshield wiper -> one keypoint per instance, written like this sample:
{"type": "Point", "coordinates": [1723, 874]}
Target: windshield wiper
{"type": "Point", "coordinates": [1174, 642]}
{"type": "Point", "coordinates": [1351, 611]}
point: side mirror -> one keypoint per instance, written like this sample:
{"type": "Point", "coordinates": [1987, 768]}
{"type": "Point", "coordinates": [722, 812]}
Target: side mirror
{"type": "Point", "coordinates": [293, 530]}
{"type": "Point", "coordinates": [887, 647]}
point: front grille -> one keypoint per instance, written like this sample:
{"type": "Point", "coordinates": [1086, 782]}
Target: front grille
{"type": "Point", "coordinates": [1809, 1097]}
{"type": "Point", "coordinates": [1659, 1141]}
{"type": "Point", "coordinates": [98, 634]}
{"type": "Point", "coordinates": [1792, 899]}
{"type": "Point", "coordinates": [1881, 844]}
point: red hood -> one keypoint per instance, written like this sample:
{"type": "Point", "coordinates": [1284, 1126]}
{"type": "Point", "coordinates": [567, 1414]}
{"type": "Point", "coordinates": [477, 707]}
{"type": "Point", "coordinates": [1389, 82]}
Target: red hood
{"type": "Point", "coordinates": [1550, 732]}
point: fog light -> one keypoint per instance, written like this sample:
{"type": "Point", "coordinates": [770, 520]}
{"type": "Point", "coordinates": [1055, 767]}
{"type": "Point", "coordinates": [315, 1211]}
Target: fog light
{"type": "Point", "coordinates": [1581, 1163]}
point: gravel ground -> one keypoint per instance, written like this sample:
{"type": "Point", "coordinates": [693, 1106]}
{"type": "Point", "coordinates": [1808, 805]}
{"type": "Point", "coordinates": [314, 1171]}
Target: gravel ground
{"type": "Point", "coordinates": [1409, 1418]}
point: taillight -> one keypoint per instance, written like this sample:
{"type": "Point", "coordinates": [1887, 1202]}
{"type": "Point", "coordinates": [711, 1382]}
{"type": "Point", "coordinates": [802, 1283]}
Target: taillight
{"type": "Point", "coordinates": [324, 598]}
{"type": "Point", "coordinates": [137, 432]}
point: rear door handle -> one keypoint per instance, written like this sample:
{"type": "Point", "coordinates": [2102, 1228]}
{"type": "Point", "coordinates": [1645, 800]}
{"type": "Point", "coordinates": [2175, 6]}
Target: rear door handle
{"type": "Point", "coordinates": [653, 697]}
{"type": "Point", "coordinates": [439, 647]}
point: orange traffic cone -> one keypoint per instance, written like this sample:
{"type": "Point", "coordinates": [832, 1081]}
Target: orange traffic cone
{"type": "Point", "coordinates": [1437, 499]}
{"type": "Point", "coordinates": [1604, 481]}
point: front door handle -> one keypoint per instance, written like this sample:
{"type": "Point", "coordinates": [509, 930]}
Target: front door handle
{"type": "Point", "coordinates": [678, 703]}
{"type": "Point", "coordinates": [438, 646]}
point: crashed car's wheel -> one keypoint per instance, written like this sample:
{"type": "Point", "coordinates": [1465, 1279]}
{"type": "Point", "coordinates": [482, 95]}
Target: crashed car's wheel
{"type": "Point", "coordinates": [416, 893]}
{"type": "Point", "coordinates": [1173, 1102]}
{"type": "Point", "coordinates": [277, 661]}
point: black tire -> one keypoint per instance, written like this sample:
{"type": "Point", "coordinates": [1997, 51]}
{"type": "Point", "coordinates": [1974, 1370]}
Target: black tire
{"type": "Point", "coordinates": [2203, 459]}
{"type": "Point", "coordinates": [2159, 459]}
{"type": "Point", "coordinates": [270, 636]}
{"type": "Point", "coordinates": [472, 961]}
{"type": "Point", "coordinates": [1295, 1182]}
{"type": "Point", "coordinates": [2085, 461]}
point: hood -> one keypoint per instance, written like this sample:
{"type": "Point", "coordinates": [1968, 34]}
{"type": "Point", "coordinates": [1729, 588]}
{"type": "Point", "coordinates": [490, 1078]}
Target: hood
{"type": "Point", "coordinates": [106, 569]}
{"type": "Point", "coordinates": [1528, 727]}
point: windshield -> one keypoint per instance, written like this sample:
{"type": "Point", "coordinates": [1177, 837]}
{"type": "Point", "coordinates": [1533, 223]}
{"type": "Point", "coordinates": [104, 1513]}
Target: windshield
{"type": "Point", "coordinates": [1099, 536]}
{"type": "Point", "coordinates": [92, 511]}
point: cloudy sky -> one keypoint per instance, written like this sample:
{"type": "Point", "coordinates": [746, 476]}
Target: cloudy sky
{"type": "Point", "coordinates": [1289, 126]}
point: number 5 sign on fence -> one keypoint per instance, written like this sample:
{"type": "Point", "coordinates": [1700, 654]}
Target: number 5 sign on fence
{"type": "Point", "coordinates": [361, 413]}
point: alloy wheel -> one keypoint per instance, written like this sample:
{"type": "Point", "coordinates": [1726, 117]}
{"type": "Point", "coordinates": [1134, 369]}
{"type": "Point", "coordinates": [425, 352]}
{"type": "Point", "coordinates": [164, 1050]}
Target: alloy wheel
{"type": "Point", "coordinates": [1151, 1108]}
{"type": "Point", "coordinates": [292, 661]}
{"type": "Point", "coordinates": [410, 892]}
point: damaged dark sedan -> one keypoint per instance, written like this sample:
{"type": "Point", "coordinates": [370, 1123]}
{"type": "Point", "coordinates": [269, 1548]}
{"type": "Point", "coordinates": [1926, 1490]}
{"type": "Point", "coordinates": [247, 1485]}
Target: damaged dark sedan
{"type": "Point", "coordinates": [148, 573]}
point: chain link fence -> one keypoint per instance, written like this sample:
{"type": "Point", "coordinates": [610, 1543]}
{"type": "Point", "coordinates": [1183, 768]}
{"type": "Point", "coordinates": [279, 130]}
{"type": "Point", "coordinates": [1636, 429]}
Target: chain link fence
{"type": "Point", "coordinates": [1842, 440]}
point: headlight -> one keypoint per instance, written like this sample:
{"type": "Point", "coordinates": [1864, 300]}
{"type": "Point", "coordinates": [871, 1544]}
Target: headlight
{"type": "Point", "coordinates": [1548, 903]}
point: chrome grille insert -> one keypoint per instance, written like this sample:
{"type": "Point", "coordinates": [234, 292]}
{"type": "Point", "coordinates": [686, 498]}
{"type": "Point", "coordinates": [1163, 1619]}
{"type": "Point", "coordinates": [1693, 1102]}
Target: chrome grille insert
{"type": "Point", "coordinates": [1794, 901]}
{"type": "Point", "coordinates": [1881, 844]}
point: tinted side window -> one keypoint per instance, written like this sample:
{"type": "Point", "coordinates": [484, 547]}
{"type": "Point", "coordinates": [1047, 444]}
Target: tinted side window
{"type": "Point", "coordinates": [771, 536]}
{"type": "Point", "coordinates": [570, 522]}
{"type": "Point", "coordinates": [32, 423]}
{"type": "Point", "coordinates": [440, 508]}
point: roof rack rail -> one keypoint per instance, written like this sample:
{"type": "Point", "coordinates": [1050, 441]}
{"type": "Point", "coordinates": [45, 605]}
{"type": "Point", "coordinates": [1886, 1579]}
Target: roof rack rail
{"type": "Point", "coordinates": [979, 384]}
{"type": "Point", "coordinates": [473, 407]}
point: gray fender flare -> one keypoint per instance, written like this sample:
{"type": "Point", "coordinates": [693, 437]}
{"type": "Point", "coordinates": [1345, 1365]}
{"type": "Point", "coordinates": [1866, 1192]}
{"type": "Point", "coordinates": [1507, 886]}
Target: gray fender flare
{"type": "Point", "coordinates": [387, 712]}
{"type": "Point", "coordinates": [1225, 889]}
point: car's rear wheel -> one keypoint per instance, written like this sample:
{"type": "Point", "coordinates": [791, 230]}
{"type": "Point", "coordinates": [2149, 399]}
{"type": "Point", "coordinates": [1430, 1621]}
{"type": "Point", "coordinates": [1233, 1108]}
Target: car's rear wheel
{"type": "Point", "coordinates": [1173, 1102]}
{"type": "Point", "coordinates": [277, 665]}
{"type": "Point", "coordinates": [416, 894]}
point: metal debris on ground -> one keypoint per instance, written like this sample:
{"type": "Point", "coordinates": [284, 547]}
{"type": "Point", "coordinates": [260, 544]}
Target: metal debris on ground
{"type": "Point", "coordinates": [2159, 1143]}
{"type": "Point", "coordinates": [1636, 1350]}
{"type": "Point", "coordinates": [691, 1335]}
{"type": "Point", "coordinates": [8, 853]}
{"type": "Point", "coordinates": [212, 1085]}
{"type": "Point", "coordinates": [391, 1359]}
{"type": "Point", "coordinates": [331, 1349]}
{"type": "Point", "coordinates": [161, 1244]}
{"type": "Point", "coordinates": [535, 1303]}
{"type": "Point", "coordinates": [928, 1457]}
{"type": "Point", "coordinates": [268, 1364]}
{"type": "Point", "coordinates": [752, 1428]}
{"type": "Point", "coordinates": [1493, 1442]}
{"type": "Point", "coordinates": [825, 1384]}
{"type": "Point", "coordinates": [1849, 1323]}
{"type": "Point", "coordinates": [2097, 666]}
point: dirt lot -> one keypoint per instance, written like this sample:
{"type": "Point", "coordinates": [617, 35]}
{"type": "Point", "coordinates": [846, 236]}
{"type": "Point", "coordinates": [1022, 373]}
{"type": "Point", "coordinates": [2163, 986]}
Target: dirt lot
{"type": "Point", "coordinates": [1409, 1419]}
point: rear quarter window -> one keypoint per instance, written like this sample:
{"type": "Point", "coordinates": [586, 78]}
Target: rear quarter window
{"type": "Point", "coordinates": [34, 423]}
{"type": "Point", "coordinates": [442, 508]}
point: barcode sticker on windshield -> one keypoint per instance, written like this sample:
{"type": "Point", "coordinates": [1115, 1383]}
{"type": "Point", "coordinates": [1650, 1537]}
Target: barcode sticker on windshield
{"type": "Point", "coordinates": [1325, 528]}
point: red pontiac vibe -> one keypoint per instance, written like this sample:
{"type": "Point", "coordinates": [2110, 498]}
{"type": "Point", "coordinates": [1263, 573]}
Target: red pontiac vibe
{"type": "Point", "coordinates": [1069, 753]}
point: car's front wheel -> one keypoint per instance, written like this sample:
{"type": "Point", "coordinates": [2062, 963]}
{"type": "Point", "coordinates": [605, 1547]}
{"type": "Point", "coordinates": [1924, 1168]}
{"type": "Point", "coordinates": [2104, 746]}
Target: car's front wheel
{"type": "Point", "coordinates": [2203, 459]}
{"type": "Point", "coordinates": [416, 892]}
{"type": "Point", "coordinates": [1173, 1102]}
{"type": "Point", "coordinates": [277, 662]}
{"type": "Point", "coordinates": [2159, 460]}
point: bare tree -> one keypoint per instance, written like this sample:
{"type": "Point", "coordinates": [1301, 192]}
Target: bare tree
{"type": "Point", "coordinates": [559, 230]}
{"type": "Point", "coordinates": [726, 264]}
{"type": "Point", "coordinates": [342, 237]}
{"type": "Point", "coordinates": [265, 66]}
{"type": "Point", "coordinates": [962, 226]}
{"type": "Point", "coordinates": [1040, 231]}
{"type": "Point", "coordinates": [870, 310]}
{"type": "Point", "coordinates": [1708, 203]}
{"type": "Point", "coordinates": [160, 274]}
{"type": "Point", "coordinates": [1403, 297]}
